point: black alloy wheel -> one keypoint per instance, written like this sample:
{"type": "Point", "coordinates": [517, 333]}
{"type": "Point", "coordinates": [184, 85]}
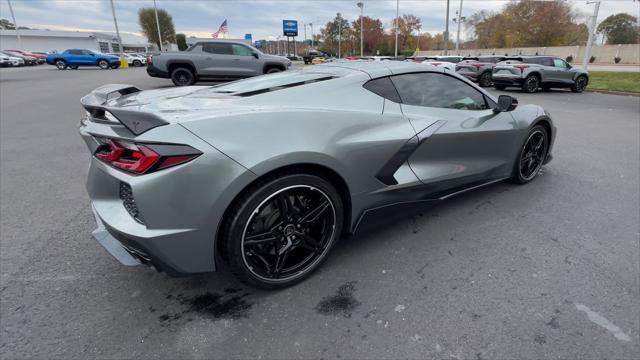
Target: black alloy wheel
{"type": "Point", "coordinates": [61, 64]}
{"type": "Point", "coordinates": [532, 155]}
{"type": "Point", "coordinates": [137, 63]}
{"type": "Point", "coordinates": [531, 84]}
{"type": "Point", "coordinates": [103, 64]}
{"type": "Point", "coordinates": [283, 230]}
{"type": "Point", "coordinates": [182, 77]}
{"type": "Point", "coordinates": [579, 85]}
{"type": "Point", "coordinates": [485, 79]}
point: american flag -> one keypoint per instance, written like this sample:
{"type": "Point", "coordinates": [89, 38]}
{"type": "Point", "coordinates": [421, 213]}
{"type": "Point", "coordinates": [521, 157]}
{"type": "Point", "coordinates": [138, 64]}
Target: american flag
{"type": "Point", "coordinates": [223, 29]}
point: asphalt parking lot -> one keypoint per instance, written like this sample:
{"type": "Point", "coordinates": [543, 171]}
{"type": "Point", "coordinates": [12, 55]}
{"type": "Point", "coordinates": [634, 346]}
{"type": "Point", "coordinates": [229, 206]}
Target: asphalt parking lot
{"type": "Point", "coordinates": [546, 270]}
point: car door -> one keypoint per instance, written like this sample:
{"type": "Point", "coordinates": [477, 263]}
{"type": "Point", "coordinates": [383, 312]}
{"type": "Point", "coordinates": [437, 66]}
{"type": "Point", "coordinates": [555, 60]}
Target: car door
{"type": "Point", "coordinates": [247, 64]}
{"type": "Point", "coordinates": [461, 140]}
{"type": "Point", "coordinates": [216, 60]}
{"type": "Point", "coordinates": [89, 58]}
{"type": "Point", "coordinates": [563, 71]}
{"type": "Point", "coordinates": [548, 71]}
{"type": "Point", "coordinates": [74, 57]}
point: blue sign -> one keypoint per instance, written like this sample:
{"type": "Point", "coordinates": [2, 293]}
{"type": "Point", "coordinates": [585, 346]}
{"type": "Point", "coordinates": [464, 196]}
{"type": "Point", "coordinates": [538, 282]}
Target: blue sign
{"type": "Point", "coordinates": [290, 27]}
{"type": "Point", "coordinates": [259, 44]}
{"type": "Point", "coordinates": [247, 36]}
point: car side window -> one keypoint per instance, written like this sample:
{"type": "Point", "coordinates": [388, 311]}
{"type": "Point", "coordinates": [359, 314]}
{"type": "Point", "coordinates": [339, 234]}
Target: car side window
{"type": "Point", "coordinates": [217, 48]}
{"type": "Point", "coordinates": [241, 50]}
{"type": "Point", "coordinates": [87, 52]}
{"type": "Point", "coordinates": [75, 52]}
{"type": "Point", "coordinates": [383, 87]}
{"type": "Point", "coordinates": [438, 90]}
{"type": "Point", "coordinates": [559, 63]}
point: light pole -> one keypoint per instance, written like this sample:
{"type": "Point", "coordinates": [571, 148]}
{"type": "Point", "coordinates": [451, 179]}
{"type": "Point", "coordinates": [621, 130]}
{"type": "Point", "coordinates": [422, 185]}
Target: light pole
{"type": "Point", "coordinates": [592, 29]}
{"type": "Point", "coordinates": [15, 25]}
{"type": "Point", "coordinates": [459, 20]}
{"type": "Point", "coordinates": [361, 6]}
{"type": "Point", "coordinates": [446, 31]}
{"type": "Point", "coordinates": [339, 35]}
{"type": "Point", "coordinates": [278, 44]}
{"type": "Point", "coordinates": [312, 44]}
{"type": "Point", "coordinates": [158, 25]}
{"type": "Point", "coordinates": [115, 21]}
{"type": "Point", "coordinates": [397, 21]}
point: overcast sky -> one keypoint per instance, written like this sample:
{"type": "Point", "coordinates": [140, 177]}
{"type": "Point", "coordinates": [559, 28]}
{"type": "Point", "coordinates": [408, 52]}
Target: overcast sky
{"type": "Point", "coordinates": [262, 18]}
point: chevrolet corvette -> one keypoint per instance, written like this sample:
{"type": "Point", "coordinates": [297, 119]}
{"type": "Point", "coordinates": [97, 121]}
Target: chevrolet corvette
{"type": "Point", "coordinates": [266, 174]}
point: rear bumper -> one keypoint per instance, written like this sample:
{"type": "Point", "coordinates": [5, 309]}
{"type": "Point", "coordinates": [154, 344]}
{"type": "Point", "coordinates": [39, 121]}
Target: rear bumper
{"type": "Point", "coordinates": [469, 75]}
{"type": "Point", "coordinates": [155, 72]}
{"type": "Point", "coordinates": [507, 80]}
{"type": "Point", "coordinates": [181, 207]}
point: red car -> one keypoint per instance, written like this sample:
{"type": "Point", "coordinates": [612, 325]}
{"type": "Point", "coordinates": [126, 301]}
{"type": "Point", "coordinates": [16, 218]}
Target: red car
{"type": "Point", "coordinates": [40, 58]}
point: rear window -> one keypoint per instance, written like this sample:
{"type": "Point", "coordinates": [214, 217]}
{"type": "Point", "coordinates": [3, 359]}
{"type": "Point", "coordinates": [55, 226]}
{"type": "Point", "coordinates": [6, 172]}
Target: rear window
{"type": "Point", "coordinates": [271, 82]}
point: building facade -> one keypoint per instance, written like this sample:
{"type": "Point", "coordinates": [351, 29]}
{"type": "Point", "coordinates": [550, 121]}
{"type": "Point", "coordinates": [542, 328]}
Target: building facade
{"type": "Point", "coordinates": [59, 41]}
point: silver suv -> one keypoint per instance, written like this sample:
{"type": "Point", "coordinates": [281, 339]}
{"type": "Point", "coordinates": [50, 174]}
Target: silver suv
{"type": "Point", "coordinates": [214, 60]}
{"type": "Point", "coordinates": [533, 72]}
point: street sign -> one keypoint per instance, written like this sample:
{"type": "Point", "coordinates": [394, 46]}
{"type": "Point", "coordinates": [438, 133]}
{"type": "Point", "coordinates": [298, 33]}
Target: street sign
{"type": "Point", "coordinates": [259, 44]}
{"type": "Point", "coordinates": [290, 27]}
{"type": "Point", "coordinates": [247, 37]}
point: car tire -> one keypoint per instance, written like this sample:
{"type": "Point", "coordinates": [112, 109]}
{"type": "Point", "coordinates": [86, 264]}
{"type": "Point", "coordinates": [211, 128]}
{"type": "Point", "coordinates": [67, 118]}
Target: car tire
{"type": "Point", "coordinates": [183, 76]}
{"type": "Point", "coordinates": [137, 63]}
{"type": "Point", "coordinates": [103, 64]}
{"type": "Point", "coordinates": [282, 249]}
{"type": "Point", "coordinates": [485, 79]}
{"type": "Point", "coordinates": [272, 70]}
{"type": "Point", "coordinates": [531, 84]}
{"type": "Point", "coordinates": [61, 64]}
{"type": "Point", "coordinates": [499, 87]}
{"type": "Point", "coordinates": [580, 84]}
{"type": "Point", "coordinates": [532, 155]}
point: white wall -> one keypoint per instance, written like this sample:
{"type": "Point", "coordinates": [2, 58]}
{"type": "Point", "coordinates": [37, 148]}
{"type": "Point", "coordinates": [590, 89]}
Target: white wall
{"type": "Point", "coordinates": [46, 43]}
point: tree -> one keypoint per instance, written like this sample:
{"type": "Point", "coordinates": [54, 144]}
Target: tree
{"type": "Point", "coordinates": [407, 25]}
{"type": "Point", "coordinates": [6, 24]}
{"type": "Point", "coordinates": [527, 23]}
{"type": "Point", "coordinates": [332, 35]}
{"type": "Point", "coordinates": [181, 41]}
{"type": "Point", "coordinates": [620, 29]}
{"type": "Point", "coordinates": [147, 22]}
{"type": "Point", "coordinates": [373, 34]}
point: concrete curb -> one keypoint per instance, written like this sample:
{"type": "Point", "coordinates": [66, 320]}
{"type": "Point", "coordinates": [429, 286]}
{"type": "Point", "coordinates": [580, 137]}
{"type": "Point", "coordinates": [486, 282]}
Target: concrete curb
{"type": "Point", "coordinates": [611, 92]}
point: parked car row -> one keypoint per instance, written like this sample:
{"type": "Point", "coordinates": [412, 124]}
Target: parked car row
{"type": "Point", "coordinates": [10, 57]}
{"type": "Point", "coordinates": [529, 73]}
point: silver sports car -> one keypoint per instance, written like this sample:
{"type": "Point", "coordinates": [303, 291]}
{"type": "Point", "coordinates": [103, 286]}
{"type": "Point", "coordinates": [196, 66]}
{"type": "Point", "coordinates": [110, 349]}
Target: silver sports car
{"type": "Point", "coordinates": [267, 174]}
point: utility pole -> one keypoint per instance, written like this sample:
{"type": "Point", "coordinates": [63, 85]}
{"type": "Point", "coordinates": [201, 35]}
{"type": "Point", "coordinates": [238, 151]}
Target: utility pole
{"type": "Point", "coordinates": [115, 21]}
{"type": "Point", "coordinates": [446, 31]}
{"type": "Point", "coordinates": [397, 21]}
{"type": "Point", "coordinates": [158, 24]}
{"type": "Point", "coordinates": [15, 24]}
{"type": "Point", "coordinates": [361, 6]}
{"type": "Point", "coordinates": [312, 44]}
{"type": "Point", "coordinates": [592, 29]}
{"type": "Point", "coordinates": [339, 35]}
{"type": "Point", "coordinates": [459, 20]}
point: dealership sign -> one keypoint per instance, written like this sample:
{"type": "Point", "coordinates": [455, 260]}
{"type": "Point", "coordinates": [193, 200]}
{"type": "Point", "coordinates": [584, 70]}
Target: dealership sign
{"type": "Point", "coordinates": [290, 27]}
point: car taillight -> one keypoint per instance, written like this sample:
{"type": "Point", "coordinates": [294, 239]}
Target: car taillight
{"type": "Point", "coordinates": [150, 59]}
{"type": "Point", "coordinates": [435, 63]}
{"type": "Point", "coordinates": [477, 66]}
{"type": "Point", "coordinates": [143, 158]}
{"type": "Point", "coordinates": [521, 67]}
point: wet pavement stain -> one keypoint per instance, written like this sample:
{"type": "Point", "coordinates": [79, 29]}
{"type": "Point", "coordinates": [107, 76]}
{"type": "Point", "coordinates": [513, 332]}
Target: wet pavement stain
{"type": "Point", "coordinates": [229, 305]}
{"type": "Point", "coordinates": [342, 303]}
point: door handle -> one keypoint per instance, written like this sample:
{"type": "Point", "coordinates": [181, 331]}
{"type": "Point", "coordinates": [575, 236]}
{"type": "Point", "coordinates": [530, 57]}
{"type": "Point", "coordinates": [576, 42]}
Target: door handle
{"type": "Point", "coordinates": [236, 59]}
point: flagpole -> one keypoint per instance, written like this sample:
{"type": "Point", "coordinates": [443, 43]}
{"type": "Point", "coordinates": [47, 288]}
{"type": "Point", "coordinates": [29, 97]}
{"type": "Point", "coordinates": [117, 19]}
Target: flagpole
{"type": "Point", "coordinates": [158, 25]}
{"type": "Point", "coordinates": [13, 17]}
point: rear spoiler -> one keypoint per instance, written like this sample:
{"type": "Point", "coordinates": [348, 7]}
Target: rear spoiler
{"type": "Point", "coordinates": [136, 121]}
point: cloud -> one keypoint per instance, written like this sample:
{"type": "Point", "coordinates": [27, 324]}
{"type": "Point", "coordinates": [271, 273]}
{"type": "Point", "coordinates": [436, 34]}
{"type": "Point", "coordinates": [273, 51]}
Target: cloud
{"type": "Point", "coordinates": [262, 18]}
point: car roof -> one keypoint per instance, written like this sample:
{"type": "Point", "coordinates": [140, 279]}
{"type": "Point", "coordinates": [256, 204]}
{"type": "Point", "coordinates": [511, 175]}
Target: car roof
{"type": "Point", "coordinates": [382, 68]}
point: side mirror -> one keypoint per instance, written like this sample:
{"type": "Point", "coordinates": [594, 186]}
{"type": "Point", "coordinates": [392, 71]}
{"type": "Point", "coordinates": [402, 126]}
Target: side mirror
{"type": "Point", "coordinates": [505, 103]}
{"type": "Point", "coordinates": [255, 55]}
